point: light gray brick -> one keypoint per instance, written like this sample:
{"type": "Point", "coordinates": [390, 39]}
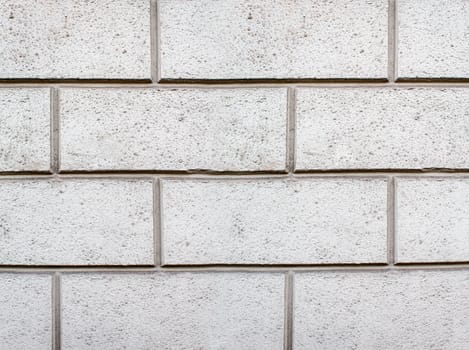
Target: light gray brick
{"type": "Point", "coordinates": [404, 310]}
{"type": "Point", "coordinates": [24, 129]}
{"type": "Point", "coordinates": [75, 39]}
{"type": "Point", "coordinates": [173, 311]}
{"type": "Point", "coordinates": [25, 312]}
{"type": "Point", "coordinates": [279, 39]}
{"type": "Point", "coordinates": [76, 222]}
{"type": "Point", "coordinates": [173, 129]}
{"type": "Point", "coordinates": [268, 221]}
{"type": "Point", "coordinates": [432, 216]}
{"type": "Point", "coordinates": [433, 39]}
{"type": "Point", "coordinates": [382, 128]}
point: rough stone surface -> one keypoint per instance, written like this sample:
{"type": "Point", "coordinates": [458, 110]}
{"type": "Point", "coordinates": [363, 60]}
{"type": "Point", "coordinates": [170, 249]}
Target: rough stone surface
{"type": "Point", "coordinates": [380, 128]}
{"type": "Point", "coordinates": [76, 222]}
{"type": "Point", "coordinates": [75, 39]}
{"type": "Point", "coordinates": [25, 312]}
{"type": "Point", "coordinates": [266, 191]}
{"type": "Point", "coordinates": [433, 39]}
{"type": "Point", "coordinates": [307, 221]}
{"type": "Point", "coordinates": [173, 311]}
{"type": "Point", "coordinates": [24, 129]}
{"type": "Point", "coordinates": [173, 129]}
{"type": "Point", "coordinates": [387, 311]}
{"type": "Point", "coordinates": [432, 219]}
{"type": "Point", "coordinates": [242, 39]}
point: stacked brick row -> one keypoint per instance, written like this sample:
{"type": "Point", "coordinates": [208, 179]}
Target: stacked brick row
{"type": "Point", "coordinates": [237, 174]}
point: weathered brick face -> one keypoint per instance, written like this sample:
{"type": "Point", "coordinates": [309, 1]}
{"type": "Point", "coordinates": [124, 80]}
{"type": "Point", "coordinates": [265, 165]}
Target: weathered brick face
{"type": "Point", "coordinates": [234, 174]}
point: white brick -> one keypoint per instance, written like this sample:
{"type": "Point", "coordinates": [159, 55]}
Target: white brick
{"type": "Point", "coordinates": [280, 39]}
{"type": "Point", "coordinates": [433, 39]}
{"type": "Point", "coordinates": [173, 129]}
{"type": "Point", "coordinates": [432, 219]}
{"type": "Point", "coordinates": [75, 39]}
{"type": "Point", "coordinates": [372, 310]}
{"type": "Point", "coordinates": [304, 221]}
{"type": "Point", "coordinates": [24, 129]}
{"type": "Point", "coordinates": [377, 128]}
{"type": "Point", "coordinates": [76, 222]}
{"type": "Point", "coordinates": [173, 311]}
{"type": "Point", "coordinates": [25, 312]}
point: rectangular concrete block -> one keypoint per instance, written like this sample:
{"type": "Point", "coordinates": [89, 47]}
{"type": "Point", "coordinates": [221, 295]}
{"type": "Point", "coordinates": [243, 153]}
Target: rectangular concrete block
{"type": "Point", "coordinates": [433, 39]}
{"type": "Point", "coordinates": [382, 128]}
{"type": "Point", "coordinates": [274, 221]}
{"type": "Point", "coordinates": [173, 129]}
{"type": "Point", "coordinates": [173, 311]}
{"type": "Point", "coordinates": [24, 129]}
{"type": "Point", "coordinates": [76, 222]}
{"type": "Point", "coordinates": [404, 310]}
{"type": "Point", "coordinates": [280, 39]}
{"type": "Point", "coordinates": [75, 39]}
{"type": "Point", "coordinates": [25, 311]}
{"type": "Point", "coordinates": [432, 219]}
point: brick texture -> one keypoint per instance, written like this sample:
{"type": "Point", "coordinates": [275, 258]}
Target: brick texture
{"type": "Point", "coordinates": [216, 129]}
{"type": "Point", "coordinates": [376, 310]}
{"type": "Point", "coordinates": [75, 39]}
{"type": "Point", "coordinates": [76, 222]}
{"type": "Point", "coordinates": [24, 129]}
{"type": "Point", "coordinates": [273, 39]}
{"type": "Point", "coordinates": [432, 220]}
{"type": "Point", "coordinates": [173, 311]}
{"type": "Point", "coordinates": [234, 174]}
{"type": "Point", "coordinates": [25, 311]}
{"type": "Point", "coordinates": [433, 39]}
{"type": "Point", "coordinates": [382, 128]}
{"type": "Point", "coordinates": [271, 221]}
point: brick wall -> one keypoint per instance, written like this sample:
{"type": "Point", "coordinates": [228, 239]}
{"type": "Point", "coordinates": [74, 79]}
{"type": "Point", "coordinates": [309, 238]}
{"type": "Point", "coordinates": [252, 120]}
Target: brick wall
{"type": "Point", "coordinates": [234, 174]}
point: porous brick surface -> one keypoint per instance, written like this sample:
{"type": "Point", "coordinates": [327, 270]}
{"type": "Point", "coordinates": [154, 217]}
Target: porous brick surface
{"type": "Point", "coordinates": [376, 128]}
{"type": "Point", "coordinates": [432, 218]}
{"type": "Point", "coordinates": [381, 310]}
{"type": "Point", "coordinates": [173, 311]}
{"type": "Point", "coordinates": [307, 221]}
{"type": "Point", "coordinates": [234, 174]}
{"type": "Point", "coordinates": [433, 39]}
{"type": "Point", "coordinates": [76, 222]}
{"type": "Point", "coordinates": [70, 39]}
{"type": "Point", "coordinates": [24, 129]}
{"type": "Point", "coordinates": [168, 129]}
{"type": "Point", "coordinates": [273, 39]}
{"type": "Point", "coordinates": [25, 311]}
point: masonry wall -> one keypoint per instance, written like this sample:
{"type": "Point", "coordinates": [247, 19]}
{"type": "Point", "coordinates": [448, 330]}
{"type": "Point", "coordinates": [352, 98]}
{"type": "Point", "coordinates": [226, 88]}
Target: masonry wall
{"type": "Point", "coordinates": [234, 174]}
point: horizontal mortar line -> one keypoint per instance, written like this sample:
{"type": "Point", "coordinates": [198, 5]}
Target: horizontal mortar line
{"type": "Point", "coordinates": [236, 268]}
{"type": "Point", "coordinates": [217, 84]}
{"type": "Point", "coordinates": [385, 171]}
{"type": "Point", "coordinates": [274, 265]}
{"type": "Point", "coordinates": [232, 176]}
{"type": "Point", "coordinates": [385, 81]}
{"type": "Point", "coordinates": [27, 173]}
{"type": "Point", "coordinates": [235, 175]}
{"type": "Point", "coordinates": [142, 175]}
{"type": "Point", "coordinates": [41, 81]}
{"type": "Point", "coordinates": [59, 177]}
{"type": "Point", "coordinates": [431, 80]}
{"type": "Point", "coordinates": [353, 266]}
{"type": "Point", "coordinates": [171, 267]}
{"type": "Point", "coordinates": [271, 81]}
{"type": "Point", "coordinates": [177, 172]}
